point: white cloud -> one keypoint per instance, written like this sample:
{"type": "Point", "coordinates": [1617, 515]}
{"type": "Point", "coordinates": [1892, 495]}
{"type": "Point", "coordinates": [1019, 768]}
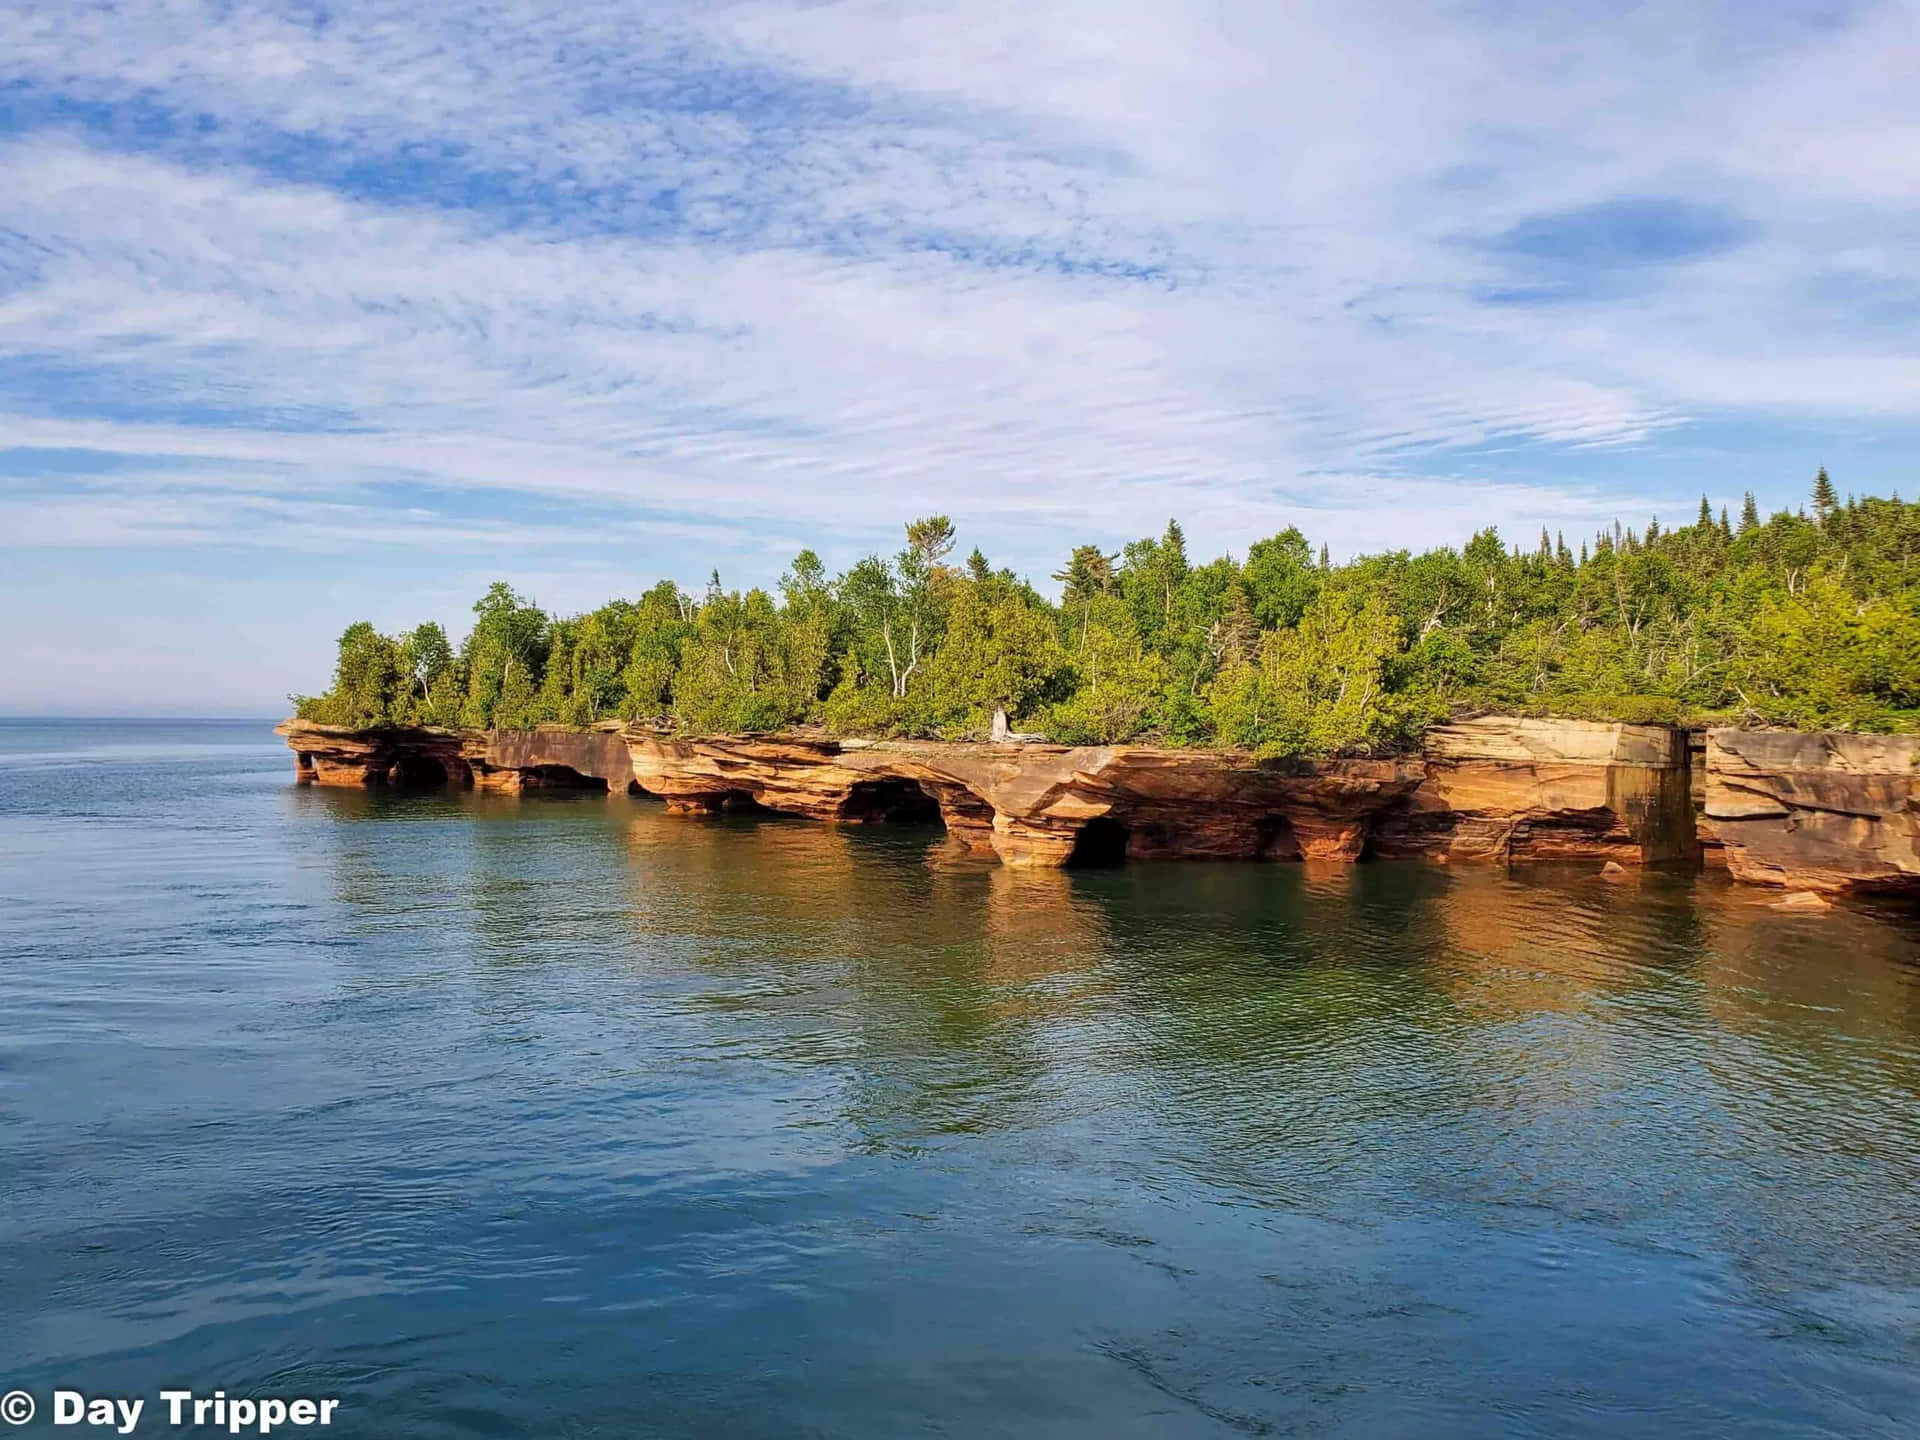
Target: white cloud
{"type": "Point", "coordinates": [741, 275]}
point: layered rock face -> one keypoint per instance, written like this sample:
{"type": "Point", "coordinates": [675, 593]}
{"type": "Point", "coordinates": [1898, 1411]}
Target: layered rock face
{"type": "Point", "coordinates": [1822, 812]}
{"type": "Point", "coordinates": [503, 761]}
{"type": "Point", "coordinates": [1499, 788]}
{"type": "Point", "coordinates": [1484, 790]}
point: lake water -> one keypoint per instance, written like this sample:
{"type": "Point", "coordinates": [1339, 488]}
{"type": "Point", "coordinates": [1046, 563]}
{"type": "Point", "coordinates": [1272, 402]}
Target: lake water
{"type": "Point", "coordinates": [564, 1117]}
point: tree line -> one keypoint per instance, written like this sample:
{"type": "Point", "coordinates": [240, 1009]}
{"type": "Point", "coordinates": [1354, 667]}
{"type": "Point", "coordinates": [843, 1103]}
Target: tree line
{"type": "Point", "coordinates": [1805, 620]}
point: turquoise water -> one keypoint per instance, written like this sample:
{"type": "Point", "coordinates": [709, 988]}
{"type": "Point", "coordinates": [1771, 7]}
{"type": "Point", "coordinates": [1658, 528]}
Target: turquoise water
{"type": "Point", "coordinates": [563, 1117]}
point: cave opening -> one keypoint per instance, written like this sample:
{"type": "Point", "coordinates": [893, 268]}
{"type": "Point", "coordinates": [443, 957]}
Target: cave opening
{"type": "Point", "coordinates": [559, 777]}
{"type": "Point", "coordinates": [1275, 840]}
{"type": "Point", "coordinates": [894, 800]}
{"type": "Point", "coordinates": [1102, 842]}
{"type": "Point", "coordinates": [418, 772]}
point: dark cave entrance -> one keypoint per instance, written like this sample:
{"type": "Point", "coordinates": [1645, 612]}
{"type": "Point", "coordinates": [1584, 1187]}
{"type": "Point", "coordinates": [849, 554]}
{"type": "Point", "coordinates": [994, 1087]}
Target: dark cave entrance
{"type": "Point", "coordinates": [1275, 840]}
{"type": "Point", "coordinates": [418, 772]}
{"type": "Point", "coordinates": [893, 801]}
{"type": "Point", "coordinates": [1101, 843]}
{"type": "Point", "coordinates": [559, 777]}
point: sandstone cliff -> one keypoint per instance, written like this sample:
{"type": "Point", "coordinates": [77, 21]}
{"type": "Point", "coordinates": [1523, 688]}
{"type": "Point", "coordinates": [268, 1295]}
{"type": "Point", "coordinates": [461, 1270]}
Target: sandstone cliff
{"type": "Point", "coordinates": [1493, 789]}
{"type": "Point", "coordinates": [1815, 811]}
{"type": "Point", "coordinates": [1500, 788]}
{"type": "Point", "coordinates": [504, 761]}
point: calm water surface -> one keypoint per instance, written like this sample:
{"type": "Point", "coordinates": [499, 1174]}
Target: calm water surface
{"type": "Point", "coordinates": [564, 1117]}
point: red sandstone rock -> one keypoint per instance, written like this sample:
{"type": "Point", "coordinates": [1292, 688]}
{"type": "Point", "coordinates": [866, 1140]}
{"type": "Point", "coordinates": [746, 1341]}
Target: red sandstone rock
{"type": "Point", "coordinates": [1486, 789]}
{"type": "Point", "coordinates": [1816, 812]}
{"type": "Point", "coordinates": [1500, 788]}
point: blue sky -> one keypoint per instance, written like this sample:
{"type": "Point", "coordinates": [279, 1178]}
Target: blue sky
{"type": "Point", "coordinates": [316, 311]}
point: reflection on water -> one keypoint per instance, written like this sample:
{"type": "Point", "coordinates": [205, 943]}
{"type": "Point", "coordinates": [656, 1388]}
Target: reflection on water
{"type": "Point", "coordinates": [562, 1115]}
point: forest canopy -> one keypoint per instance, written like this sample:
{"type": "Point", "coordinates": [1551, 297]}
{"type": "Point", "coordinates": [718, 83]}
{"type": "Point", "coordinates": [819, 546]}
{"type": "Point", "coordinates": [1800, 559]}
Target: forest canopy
{"type": "Point", "coordinates": [1801, 620]}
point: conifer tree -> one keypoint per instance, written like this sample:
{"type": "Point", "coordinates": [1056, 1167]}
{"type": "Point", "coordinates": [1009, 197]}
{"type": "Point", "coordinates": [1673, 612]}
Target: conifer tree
{"type": "Point", "coordinates": [1825, 501]}
{"type": "Point", "coordinates": [930, 539]}
{"type": "Point", "coordinates": [1706, 513]}
{"type": "Point", "coordinates": [1799, 627]}
{"type": "Point", "coordinates": [1173, 550]}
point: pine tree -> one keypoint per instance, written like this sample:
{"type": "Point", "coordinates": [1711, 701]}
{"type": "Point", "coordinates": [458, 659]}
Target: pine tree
{"type": "Point", "coordinates": [1546, 544]}
{"type": "Point", "coordinates": [1825, 501]}
{"type": "Point", "coordinates": [1653, 530]}
{"type": "Point", "coordinates": [1173, 552]}
{"type": "Point", "coordinates": [1323, 556]}
{"type": "Point", "coordinates": [1706, 513]}
{"type": "Point", "coordinates": [1749, 515]}
{"type": "Point", "coordinates": [1726, 530]}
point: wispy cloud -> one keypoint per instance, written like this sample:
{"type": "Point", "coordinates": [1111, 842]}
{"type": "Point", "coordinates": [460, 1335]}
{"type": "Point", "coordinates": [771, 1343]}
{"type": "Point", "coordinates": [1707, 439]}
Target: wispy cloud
{"type": "Point", "coordinates": [514, 282]}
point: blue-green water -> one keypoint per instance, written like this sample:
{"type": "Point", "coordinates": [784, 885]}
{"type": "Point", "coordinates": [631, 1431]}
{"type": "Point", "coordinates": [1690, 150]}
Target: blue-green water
{"type": "Point", "coordinates": [563, 1117]}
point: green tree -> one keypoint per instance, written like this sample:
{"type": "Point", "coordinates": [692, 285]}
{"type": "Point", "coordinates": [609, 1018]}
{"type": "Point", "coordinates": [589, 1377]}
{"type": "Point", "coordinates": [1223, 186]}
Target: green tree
{"type": "Point", "coordinates": [1825, 501]}
{"type": "Point", "coordinates": [1115, 687]}
{"type": "Point", "coordinates": [1086, 577]}
{"type": "Point", "coordinates": [999, 653]}
{"type": "Point", "coordinates": [372, 684]}
{"type": "Point", "coordinates": [505, 658]}
{"type": "Point", "coordinates": [1280, 578]}
{"type": "Point", "coordinates": [1788, 620]}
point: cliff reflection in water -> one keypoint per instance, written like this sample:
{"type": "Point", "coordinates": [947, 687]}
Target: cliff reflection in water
{"type": "Point", "coordinates": [918, 949]}
{"type": "Point", "coordinates": [1373, 1148]}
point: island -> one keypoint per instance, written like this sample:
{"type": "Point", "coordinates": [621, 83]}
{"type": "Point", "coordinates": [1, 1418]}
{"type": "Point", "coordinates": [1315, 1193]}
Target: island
{"type": "Point", "coordinates": [1744, 697]}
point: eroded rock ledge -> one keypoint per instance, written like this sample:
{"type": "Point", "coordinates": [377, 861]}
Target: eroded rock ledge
{"type": "Point", "coordinates": [1815, 811]}
{"type": "Point", "coordinates": [1488, 789]}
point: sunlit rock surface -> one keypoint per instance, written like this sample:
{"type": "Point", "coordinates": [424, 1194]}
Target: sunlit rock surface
{"type": "Point", "coordinates": [1503, 788]}
{"type": "Point", "coordinates": [1815, 811]}
{"type": "Point", "coordinates": [1488, 789]}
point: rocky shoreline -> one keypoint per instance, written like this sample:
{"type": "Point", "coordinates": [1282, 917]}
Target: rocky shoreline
{"type": "Point", "coordinates": [1820, 813]}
